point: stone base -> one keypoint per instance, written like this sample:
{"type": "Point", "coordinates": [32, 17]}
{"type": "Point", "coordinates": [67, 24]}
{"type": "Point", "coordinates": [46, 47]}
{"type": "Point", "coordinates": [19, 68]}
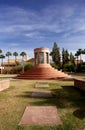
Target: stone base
{"type": "Point", "coordinates": [40, 115]}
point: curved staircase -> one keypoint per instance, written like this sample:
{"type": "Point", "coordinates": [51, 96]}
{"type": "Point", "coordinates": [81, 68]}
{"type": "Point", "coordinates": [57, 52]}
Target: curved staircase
{"type": "Point", "coordinates": [42, 71]}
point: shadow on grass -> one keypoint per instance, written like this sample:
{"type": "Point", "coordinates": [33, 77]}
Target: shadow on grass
{"type": "Point", "coordinates": [80, 113]}
{"type": "Point", "coordinates": [65, 97]}
{"type": "Point", "coordinates": [26, 94]}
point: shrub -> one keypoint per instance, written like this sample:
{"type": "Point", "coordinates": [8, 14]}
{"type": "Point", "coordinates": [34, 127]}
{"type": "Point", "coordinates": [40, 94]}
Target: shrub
{"type": "Point", "coordinates": [28, 66]}
{"type": "Point", "coordinates": [70, 67]}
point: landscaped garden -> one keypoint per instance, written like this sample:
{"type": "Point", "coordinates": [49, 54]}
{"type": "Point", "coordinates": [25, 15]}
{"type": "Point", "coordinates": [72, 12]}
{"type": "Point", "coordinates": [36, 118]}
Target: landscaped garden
{"type": "Point", "coordinates": [69, 101]}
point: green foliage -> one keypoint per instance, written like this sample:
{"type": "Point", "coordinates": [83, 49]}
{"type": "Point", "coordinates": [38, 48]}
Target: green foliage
{"type": "Point", "coordinates": [80, 68]}
{"type": "Point", "coordinates": [8, 54]}
{"type": "Point", "coordinates": [23, 54]}
{"type": "Point", "coordinates": [70, 67]}
{"type": "Point", "coordinates": [0, 51]}
{"type": "Point", "coordinates": [13, 70]}
{"type": "Point", "coordinates": [54, 65]}
{"type": "Point", "coordinates": [15, 54]}
{"type": "Point", "coordinates": [65, 57]}
{"type": "Point", "coordinates": [17, 69]}
{"type": "Point", "coordinates": [28, 66]}
{"type": "Point", "coordinates": [56, 55]}
{"type": "Point", "coordinates": [72, 58]}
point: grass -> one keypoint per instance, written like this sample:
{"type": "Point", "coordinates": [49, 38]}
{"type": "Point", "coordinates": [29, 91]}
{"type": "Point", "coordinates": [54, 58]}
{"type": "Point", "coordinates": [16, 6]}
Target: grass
{"type": "Point", "coordinates": [79, 75]}
{"type": "Point", "coordinates": [69, 101]}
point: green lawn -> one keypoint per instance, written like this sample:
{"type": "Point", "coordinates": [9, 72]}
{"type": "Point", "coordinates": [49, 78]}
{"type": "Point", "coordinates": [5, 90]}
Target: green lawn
{"type": "Point", "coordinates": [69, 101]}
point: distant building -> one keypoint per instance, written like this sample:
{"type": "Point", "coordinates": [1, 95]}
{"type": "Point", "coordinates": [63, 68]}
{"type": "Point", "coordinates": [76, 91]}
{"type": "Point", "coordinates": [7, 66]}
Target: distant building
{"type": "Point", "coordinates": [78, 62]}
{"type": "Point", "coordinates": [12, 61]}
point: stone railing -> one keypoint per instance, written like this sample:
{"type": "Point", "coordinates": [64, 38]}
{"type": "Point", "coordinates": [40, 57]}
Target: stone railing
{"type": "Point", "coordinates": [79, 83]}
{"type": "Point", "coordinates": [4, 84]}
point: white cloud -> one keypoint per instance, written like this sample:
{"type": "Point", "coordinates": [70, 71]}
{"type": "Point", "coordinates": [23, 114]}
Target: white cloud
{"type": "Point", "coordinates": [61, 23]}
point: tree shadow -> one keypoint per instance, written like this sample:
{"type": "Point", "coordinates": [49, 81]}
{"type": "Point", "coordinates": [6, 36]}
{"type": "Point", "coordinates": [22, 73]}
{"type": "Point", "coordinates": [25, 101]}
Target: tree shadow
{"type": "Point", "coordinates": [80, 113]}
{"type": "Point", "coordinates": [26, 94]}
{"type": "Point", "coordinates": [65, 97]}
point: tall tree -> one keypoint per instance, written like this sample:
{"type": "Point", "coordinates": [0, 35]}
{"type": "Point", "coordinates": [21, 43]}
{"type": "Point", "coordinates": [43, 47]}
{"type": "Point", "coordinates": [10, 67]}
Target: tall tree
{"type": "Point", "coordinates": [79, 53]}
{"type": "Point", "coordinates": [72, 58]}
{"type": "Point", "coordinates": [15, 54]}
{"type": "Point", "coordinates": [83, 51]}
{"type": "Point", "coordinates": [8, 54]}
{"type": "Point", "coordinates": [65, 57]}
{"type": "Point", "coordinates": [0, 51]}
{"type": "Point", "coordinates": [56, 55]}
{"type": "Point", "coordinates": [0, 55]}
{"type": "Point", "coordinates": [23, 54]}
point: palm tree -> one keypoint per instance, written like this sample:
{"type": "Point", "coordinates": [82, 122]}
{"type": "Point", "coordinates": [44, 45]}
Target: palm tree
{"type": "Point", "coordinates": [0, 51]}
{"type": "Point", "coordinates": [0, 54]}
{"type": "Point", "coordinates": [2, 57]}
{"type": "Point", "coordinates": [8, 54]}
{"type": "Point", "coordinates": [77, 54]}
{"type": "Point", "coordinates": [15, 54]}
{"type": "Point", "coordinates": [83, 51]}
{"type": "Point", "coordinates": [80, 52]}
{"type": "Point", "coordinates": [23, 54]}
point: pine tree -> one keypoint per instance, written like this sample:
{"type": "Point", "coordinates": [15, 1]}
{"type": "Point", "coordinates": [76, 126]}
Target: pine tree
{"type": "Point", "coordinates": [65, 57]}
{"type": "Point", "coordinates": [71, 58]}
{"type": "Point", "coordinates": [56, 55]}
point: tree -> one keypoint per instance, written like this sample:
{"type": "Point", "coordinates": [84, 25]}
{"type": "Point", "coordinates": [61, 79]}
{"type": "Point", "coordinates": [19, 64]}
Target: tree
{"type": "Point", "coordinates": [23, 54]}
{"type": "Point", "coordinates": [56, 55]}
{"type": "Point", "coordinates": [83, 51]}
{"type": "Point", "coordinates": [8, 54]}
{"type": "Point", "coordinates": [76, 54]}
{"type": "Point", "coordinates": [15, 54]}
{"type": "Point", "coordinates": [65, 57]}
{"type": "Point", "coordinates": [2, 57]}
{"type": "Point", "coordinates": [0, 53]}
{"type": "Point", "coordinates": [79, 53]}
{"type": "Point", "coordinates": [72, 58]}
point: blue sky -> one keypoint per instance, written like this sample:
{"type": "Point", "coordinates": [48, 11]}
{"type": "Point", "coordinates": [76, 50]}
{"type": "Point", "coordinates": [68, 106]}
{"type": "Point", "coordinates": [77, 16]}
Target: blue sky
{"type": "Point", "coordinates": [28, 24]}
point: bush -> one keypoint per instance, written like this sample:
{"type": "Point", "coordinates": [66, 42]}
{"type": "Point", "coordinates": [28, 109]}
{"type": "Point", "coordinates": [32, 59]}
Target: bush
{"type": "Point", "coordinates": [70, 67]}
{"type": "Point", "coordinates": [54, 65]}
{"type": "Point", "coordinates": [17, 69]}
{"type": "Point", "coordinates": [81, 68]}
{"type": "Point", "coordinates": [28, 66]}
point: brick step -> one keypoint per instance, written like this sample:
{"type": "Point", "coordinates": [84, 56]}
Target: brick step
{"type": "Point", "coordinates": [42, 72]}
{"type": "Point", "coordinates": [43, 75]}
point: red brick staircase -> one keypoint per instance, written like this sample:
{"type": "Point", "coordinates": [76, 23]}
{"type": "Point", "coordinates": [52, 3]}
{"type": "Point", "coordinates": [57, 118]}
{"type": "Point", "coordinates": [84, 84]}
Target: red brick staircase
{"type": "Point", "coordinates": [42, 71]}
